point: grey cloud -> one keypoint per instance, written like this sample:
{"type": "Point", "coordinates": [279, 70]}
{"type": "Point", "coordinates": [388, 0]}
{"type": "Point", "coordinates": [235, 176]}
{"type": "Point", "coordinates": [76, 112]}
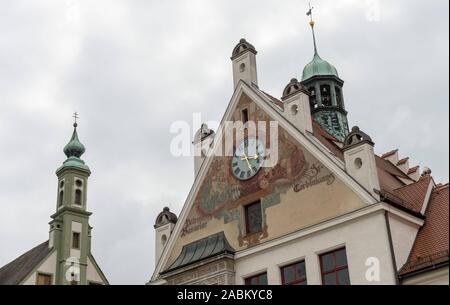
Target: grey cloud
{"type": "Point", "coordinates": [131, 68]}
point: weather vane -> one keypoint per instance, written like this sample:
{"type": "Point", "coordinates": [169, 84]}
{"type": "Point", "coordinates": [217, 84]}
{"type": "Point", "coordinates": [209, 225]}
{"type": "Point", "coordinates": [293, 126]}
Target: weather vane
{"type": "Point", "coordinates": [312, 24]}
{"type": "Point", "coordinates": [310, 12]}
{"type": "Point", "coordinates": [76, 117]}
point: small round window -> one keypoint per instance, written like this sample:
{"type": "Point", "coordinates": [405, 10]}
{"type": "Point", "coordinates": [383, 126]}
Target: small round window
{"type": "Point", "coordinates": [358, 163]}
{"type": "Point", "coordinates": [242, 67]}
{"type": "Point", "coordinates": [79, 183]}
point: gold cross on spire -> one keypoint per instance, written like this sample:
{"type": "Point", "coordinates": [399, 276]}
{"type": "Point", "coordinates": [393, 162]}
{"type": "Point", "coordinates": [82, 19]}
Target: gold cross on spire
{"type": "Point", "coordinates": [76, 117]}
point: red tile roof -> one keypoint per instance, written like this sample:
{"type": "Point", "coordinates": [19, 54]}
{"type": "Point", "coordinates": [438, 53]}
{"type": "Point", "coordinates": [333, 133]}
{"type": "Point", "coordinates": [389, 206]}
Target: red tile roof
{"type": "Point", "coordinates": [415, 193]}
{"type": "Point", "coordinates": [431, 247]}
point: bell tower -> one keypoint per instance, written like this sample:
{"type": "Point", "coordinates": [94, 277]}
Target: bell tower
{"type": "Point", "coordinates": [69, 230]}
{"type": "Point", "coordinates": [327, 100]}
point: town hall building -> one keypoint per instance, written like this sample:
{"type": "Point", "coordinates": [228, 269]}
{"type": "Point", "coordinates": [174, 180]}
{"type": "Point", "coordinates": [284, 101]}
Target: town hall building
{"type": "Point", "coordinates": [330, 212]}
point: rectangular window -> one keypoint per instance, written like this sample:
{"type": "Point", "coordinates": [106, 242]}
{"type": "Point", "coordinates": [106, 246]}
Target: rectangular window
{"type": "Point", "coordinates": [43, 279]}
{"type": "Point", "coordinates": [294, 274]}
{"type": "Point", "coordinates": [245, 117]}
{"type": "Point", "coordinates": [253, 218]}
{"type": "Point", "coordinates": [76, 240]}
{"type": "Point", "coordinates": [334, 268]}
{"type": "Point", "coordinates": [260, 280]}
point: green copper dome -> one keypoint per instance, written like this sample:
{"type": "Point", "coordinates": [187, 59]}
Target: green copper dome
{"type": "Point", "coordinates": [319, 67]}
{"type": "Point", "coordinates": [74, 150]}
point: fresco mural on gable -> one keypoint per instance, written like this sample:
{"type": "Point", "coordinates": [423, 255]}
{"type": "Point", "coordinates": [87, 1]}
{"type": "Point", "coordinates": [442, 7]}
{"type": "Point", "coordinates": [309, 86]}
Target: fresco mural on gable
{"type": "Point", "coordinates": [222, 196]}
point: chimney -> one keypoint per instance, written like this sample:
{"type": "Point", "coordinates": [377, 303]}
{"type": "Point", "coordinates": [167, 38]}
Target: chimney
{"type": "Point", "coordinates": [203, 140]}
{"type": "Point", "coordinates": [360, 161]}
{"type": "Point", "coordinates": [244, 64]}
{"type": "Point", "coordinates": [297, 109]}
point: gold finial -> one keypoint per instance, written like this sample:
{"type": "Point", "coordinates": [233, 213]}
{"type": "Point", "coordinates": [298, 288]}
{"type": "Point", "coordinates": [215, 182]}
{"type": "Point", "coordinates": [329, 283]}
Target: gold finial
{"type": "Point", "coordinates": [76, 117]}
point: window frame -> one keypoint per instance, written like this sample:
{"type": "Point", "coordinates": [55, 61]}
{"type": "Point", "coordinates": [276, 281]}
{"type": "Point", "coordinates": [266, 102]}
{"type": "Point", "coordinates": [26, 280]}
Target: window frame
{"type": "Point", "coordinates": [245, 116]}
{"type": "Point", "coordinates": [79, 240]}
{"type": "Point", "coordinates": [336, 269]}
{"type": "Point", "coordinates": [78, 195]}
{"type": "Point", "coordinates": [246, 215]}
{"type": "Point", "coordinates": [49, 275]}
{"type": "Point", "coordinates": [247, 281]}
{"type": "Point", "coordinates": [296, 281]}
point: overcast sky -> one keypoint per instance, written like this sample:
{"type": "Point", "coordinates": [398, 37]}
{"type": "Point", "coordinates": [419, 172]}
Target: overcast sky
{"type": "Point", "coordinates": [131, 68]}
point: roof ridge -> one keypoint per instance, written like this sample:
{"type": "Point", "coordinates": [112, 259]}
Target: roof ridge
{"type": "Point", "coordinates": [441, 187]}
{"type": "Point", "coordinates": [388, 154]}
{"type": "Point", "coordinates": [16, 271]}
{"type": "Point", "coordinates": [21, 256]}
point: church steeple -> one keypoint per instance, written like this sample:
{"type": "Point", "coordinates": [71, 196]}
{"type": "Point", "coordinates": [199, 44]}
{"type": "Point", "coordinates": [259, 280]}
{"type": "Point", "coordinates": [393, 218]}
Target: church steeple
{"type": "Point", "coordinates": [70, 231]}
{"type": "Point", "coordinates": [327, 100]}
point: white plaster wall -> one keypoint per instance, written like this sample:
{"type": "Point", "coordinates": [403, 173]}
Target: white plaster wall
{"type": "Point", "coordinates": [47, 267]}
{"type": "Point", "coordinates": [363, 238]}
{"type": "Point", "coordinates": [159, 245]}
{"type": "Point", "coordinates": [436, 277]}
{"type": "Point", "coordinates": [91, 273]}
{"type": "Point", "coordinates": [367, 175]}
{"type": "Point", "coordinates": [403, 237]}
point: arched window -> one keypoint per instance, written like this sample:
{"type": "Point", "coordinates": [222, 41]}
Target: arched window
{"type": "Point", "coordinates": [78, 196]}
{"type": "Point", "coordinates": [312, 98]}
{"type": "Point", "coordinates": [339, 97]}
{"type": "Point", "coordinates": [60, 199]}
{"type": "Point", "coordinates": [325, 92]}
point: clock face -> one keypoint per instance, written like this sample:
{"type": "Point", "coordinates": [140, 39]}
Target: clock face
{"type": "Point", "coordinates": [248, 159]}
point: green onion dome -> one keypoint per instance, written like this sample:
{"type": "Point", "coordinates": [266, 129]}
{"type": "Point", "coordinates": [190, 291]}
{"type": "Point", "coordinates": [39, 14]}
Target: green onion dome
{"type": "Point", "coordinates": [318, 67]}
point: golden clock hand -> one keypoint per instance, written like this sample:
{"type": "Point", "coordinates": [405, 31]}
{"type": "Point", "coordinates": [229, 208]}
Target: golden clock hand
{"type": "Point", "coordinates": [248, 163]}
{"type": "Point", "coordinates": [256, 157]}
